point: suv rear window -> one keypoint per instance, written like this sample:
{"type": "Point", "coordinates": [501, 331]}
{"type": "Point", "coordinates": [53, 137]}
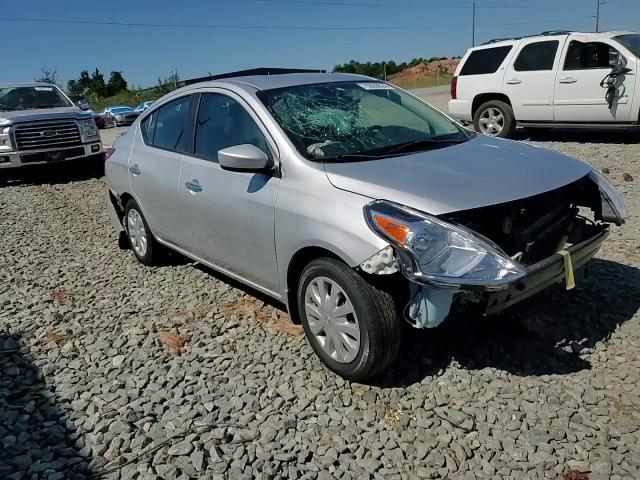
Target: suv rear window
{"type": "Point", "coordinates": [537, 56]}
{"type": "Point", "coordinates": [485, 61]}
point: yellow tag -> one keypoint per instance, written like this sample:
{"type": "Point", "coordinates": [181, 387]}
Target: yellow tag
{"type": "Point", "coordinates": [568, 269]}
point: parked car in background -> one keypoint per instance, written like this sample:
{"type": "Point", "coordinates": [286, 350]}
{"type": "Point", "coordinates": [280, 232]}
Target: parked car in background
{"type": "Point", "coordinates": [355, 204]}
{"type": "Point", "coordinates": [557, 79]}
{"type": "Point", "coordinates": [40, 124]}
{"type": "Point", "coordinates": [143, 106]}
{"type": "Point", "coordinates": [120, 115]}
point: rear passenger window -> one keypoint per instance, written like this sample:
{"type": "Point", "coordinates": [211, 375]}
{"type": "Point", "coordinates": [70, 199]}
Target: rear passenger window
{"type": "Point", "coordinates": [485, 61]}
{"type": "Point", "coordinates": [537, 56]}
{"type": "Point", "coordinates": [223, 122]}
{"type": "Point", "coordinates": [165, 127]}
{"type": "Point", "coordinates": [592, 55]}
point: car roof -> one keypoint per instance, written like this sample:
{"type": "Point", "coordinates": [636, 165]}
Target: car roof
{"type": "Point", "coordinates": [26, 84]}
{"type": "Point", "coordinates": [268, 82]}
{"type": "Point", "coordinates": [582, 36]}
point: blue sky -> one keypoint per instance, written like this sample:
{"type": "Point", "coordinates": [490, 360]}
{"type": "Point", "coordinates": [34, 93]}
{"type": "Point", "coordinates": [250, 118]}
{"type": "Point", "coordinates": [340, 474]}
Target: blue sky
{"type": "Point", "coordinates": [394, 30]}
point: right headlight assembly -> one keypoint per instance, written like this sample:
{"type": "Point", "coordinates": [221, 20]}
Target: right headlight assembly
{"type": "Point", "coordinates": [439, 253]}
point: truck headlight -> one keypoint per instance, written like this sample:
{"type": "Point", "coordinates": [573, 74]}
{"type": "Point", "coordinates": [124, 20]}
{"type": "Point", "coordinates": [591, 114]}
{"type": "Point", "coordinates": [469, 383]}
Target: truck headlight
{"type": "Point", "coordinates": [89, 128]}
{"type": "Point", "coordinates": [613, 207]}
{"type": "Point", "coordinates": [5, 139]}
{"type": "Point", "coordinates": [440, 253]}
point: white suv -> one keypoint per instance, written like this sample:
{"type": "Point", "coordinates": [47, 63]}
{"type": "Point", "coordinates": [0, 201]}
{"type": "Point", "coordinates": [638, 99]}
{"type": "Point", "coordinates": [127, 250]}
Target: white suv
{"type": "Point", "coordinates": [556, 79]}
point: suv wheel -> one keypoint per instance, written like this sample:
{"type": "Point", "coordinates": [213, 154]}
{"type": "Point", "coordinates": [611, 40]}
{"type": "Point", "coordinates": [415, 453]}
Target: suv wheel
{"type": "Point", "coordinates": [495, 119]}
{"type": "Point", "coordinates": [351, 325]}
{"type": "Point", "coordinates": [140, 238]}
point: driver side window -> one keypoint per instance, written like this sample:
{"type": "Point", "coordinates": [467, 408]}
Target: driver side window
{"type": "Point", "coordinates": [590, 56]}
{"type": "Point", "coordinates": [223, 122]}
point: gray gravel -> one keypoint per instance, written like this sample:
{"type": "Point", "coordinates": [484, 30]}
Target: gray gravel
{"type": "Point", "coordinates": [174, 372]}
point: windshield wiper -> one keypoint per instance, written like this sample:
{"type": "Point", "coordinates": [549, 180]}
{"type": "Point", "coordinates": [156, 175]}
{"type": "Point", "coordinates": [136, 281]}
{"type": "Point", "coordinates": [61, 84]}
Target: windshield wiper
{"type": "Point", "coordinates": [418, 145]}
{"type": "Point", "coordinates": [351, 157]}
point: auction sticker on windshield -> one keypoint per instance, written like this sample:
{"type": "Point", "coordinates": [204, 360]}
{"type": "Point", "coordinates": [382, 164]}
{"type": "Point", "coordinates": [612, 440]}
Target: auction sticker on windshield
{"type": "Point", "coordinates": [375, 86]}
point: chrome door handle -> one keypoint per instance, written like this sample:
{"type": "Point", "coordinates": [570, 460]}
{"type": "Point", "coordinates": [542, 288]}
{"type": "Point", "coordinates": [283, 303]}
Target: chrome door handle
{"type": "Point", "coordinates": [514, 81]}
{"type": "Point", "coordinates": [135, 169]}
{"type": "Point", "coordinates": [568, 80]}
{"type": "Point", "coordinates": [193, 186]}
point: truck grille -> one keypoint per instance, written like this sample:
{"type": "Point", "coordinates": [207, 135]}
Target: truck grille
{"type": "Point", "coordinates": [44, 135]}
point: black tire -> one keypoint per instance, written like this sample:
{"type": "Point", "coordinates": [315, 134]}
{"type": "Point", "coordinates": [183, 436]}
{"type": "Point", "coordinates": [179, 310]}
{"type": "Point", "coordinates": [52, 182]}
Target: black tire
{"type": "Point", "coordinates": [509, 126]}
{"type": "Point", "coordinates": [152, 251]}
{"type": "Point", "coordinates": [378, 320]}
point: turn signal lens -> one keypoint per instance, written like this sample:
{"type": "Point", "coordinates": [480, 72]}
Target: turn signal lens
{"type": "Point", "coordinates": [393, 228]}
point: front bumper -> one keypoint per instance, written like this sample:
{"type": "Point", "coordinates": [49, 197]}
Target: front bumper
{"type": "Point", "coordinates": [429, 306]}
{"type": "Point", "coordinates": [123, 121]}
{"type": "Point", "coordinates": [35, 157]}
{"type": "Point", "coordinates": [546, 272]}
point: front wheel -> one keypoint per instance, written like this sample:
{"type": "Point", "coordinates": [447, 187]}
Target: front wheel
{"type": "Point", "coordinates": [140, 238]}
{"type": "Point", "coordinates": [353, 326]}
{"type": "Point", "coordinates": [495, 119]}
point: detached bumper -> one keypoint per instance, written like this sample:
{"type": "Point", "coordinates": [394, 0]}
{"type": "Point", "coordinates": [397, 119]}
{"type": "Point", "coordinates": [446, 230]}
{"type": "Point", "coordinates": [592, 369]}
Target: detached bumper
{"type": "Point", "coordinates": [546, 272]}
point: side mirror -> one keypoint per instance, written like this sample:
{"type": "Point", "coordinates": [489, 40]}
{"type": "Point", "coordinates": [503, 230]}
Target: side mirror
{"type": "Point", "coordinates": [243, 157]}
{"type": "Point", "coordinates": [618, 62]}
{"type": "Point", "coordinates": [83, 105]}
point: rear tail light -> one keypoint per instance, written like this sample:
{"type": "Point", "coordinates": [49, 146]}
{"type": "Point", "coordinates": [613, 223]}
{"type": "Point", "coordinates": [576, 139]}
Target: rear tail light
{"type": "Point", "coordinates": [108, 152]}
{"type": "Point", "coordinates": [454, 88]}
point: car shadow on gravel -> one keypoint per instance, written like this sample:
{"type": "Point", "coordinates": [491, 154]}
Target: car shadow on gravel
{"type": "Point", "coordinates": [616, 137]}
{"type": "Point", "coordinates": [51, 174]}
{"type": "Point", "coordinates": [551, 333]}
{"type": "Point", "coordinates": [35, 438]}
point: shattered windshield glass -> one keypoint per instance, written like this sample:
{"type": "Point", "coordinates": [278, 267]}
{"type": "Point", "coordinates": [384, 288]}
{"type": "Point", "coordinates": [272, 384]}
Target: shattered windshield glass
{"type": "Point", "coordinates": [345, 119]}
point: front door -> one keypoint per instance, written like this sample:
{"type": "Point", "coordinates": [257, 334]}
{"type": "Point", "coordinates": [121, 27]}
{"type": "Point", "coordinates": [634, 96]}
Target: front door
{"type": "Point", "coordinates": [228, 216]}
{"type": "Point", "coordinates": [529, 80]}
{"type": "Point", "coordinates": [579, 96]}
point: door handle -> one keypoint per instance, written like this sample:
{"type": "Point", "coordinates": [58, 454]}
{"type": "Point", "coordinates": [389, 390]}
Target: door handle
{"type": "Point", "coordinates": [568, 80]}
{"type": "Point", "coordinates": [193, 186]}
{"type": "Point", "coordinates": [514, 81]}
{"type": "Point", "coordinates": [135, 169]}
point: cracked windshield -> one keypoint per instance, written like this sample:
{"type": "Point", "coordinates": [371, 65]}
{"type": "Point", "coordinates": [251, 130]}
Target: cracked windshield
{"type": "Point", "coordinates": [357, 120]}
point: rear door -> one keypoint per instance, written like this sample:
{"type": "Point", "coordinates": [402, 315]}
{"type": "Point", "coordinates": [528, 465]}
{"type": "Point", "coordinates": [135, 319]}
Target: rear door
{"type": "Point", "coordinates": [529, 79]}
{"type": "Point", "coordinates": [227, 217]}
{"type": "Point", "coordinates": [154, 164]}
{"type": "Point", "coordinates": [578, 94]}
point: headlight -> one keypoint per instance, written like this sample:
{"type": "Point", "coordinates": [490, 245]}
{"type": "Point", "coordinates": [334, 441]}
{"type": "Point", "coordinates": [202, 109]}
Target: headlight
{"type": "Point", "coordinates": [89, 128]}
{"type": "Point", "coordinates": [5, 139]}
{"type": "Point", "coordinates": [613, 207]}
{"type": "Point", "coordinates": [440, 253]}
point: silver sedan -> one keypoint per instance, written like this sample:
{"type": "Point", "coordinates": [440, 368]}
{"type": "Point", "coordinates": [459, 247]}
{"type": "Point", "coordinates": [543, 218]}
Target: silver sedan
{"type": "Point", "coordinates": [355, 204]}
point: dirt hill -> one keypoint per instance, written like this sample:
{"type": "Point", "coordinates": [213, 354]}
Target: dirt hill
{"type": "Point", "coordinates": [426, 73]}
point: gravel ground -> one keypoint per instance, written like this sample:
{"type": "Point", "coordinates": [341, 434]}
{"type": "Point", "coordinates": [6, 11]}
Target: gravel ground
{"type": "Point", "coordinates": [175, 372]}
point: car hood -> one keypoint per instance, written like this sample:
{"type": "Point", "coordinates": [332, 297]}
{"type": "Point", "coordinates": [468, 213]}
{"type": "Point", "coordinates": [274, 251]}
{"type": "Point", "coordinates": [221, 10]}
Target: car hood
{"type": "Point", "coordinates": [42, 114]}
{"type": "Point", "coordinates": [483, 171]}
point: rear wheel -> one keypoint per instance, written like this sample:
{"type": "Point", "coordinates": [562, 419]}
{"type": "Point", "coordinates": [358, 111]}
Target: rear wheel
{"type": "Point", "coordinates": [495, 119]}
{"type": "Point", "coordinates": [140, 238]}
{"type": "Point", "coordinates": [351, 325]}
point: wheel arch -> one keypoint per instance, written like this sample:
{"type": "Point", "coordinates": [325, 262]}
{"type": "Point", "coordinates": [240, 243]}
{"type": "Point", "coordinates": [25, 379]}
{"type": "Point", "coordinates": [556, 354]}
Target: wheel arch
{"type": "Point", "coordinates": [486, 97]}
{"type": "Point", "coordinates": [298, 261]}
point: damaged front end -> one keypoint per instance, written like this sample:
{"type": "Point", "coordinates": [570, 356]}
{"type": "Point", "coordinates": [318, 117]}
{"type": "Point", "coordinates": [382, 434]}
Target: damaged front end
{"type": "Point", "coordinates": [492, 257]}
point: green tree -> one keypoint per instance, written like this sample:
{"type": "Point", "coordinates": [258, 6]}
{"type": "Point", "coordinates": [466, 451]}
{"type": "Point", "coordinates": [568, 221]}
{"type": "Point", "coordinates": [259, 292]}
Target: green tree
{"type": "Point", "coordinates": [116, 83]}
{"type": "Point", "coordinates": [98, 86]}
